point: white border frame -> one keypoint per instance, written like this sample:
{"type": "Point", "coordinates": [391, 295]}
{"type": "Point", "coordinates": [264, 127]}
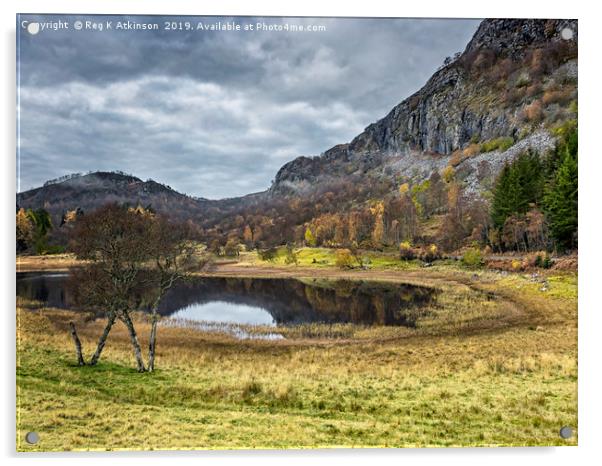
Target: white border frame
{"type": "Point", "coordinates": [590, 321]}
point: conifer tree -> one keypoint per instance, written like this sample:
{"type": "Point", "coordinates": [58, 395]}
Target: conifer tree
{"type": "Point", "coordinates": [519, 185]}
{"type": "Point", "coordinates": [561, 197]}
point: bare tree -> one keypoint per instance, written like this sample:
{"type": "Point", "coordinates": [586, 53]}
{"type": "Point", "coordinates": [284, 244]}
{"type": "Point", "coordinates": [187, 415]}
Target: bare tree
{"type": "Point", "coordinates": [173, 255]}
{"type": "Point", "coordinates": [133, 257]}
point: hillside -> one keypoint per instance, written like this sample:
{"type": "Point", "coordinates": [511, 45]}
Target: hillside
{"type": "Point", "coordinates": [515, 79]}
{"type": "Point", "coordinates": [89, 191]}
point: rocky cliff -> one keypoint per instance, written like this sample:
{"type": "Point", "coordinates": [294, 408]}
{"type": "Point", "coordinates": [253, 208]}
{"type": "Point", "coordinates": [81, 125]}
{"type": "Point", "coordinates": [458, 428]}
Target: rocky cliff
{"type": "Point", "coordinates": [515, 78]}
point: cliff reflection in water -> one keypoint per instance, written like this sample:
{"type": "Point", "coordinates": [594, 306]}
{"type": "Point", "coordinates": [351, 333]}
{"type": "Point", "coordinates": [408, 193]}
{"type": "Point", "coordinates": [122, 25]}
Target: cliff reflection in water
{"type": "Point", "coordinates": [291, 301]}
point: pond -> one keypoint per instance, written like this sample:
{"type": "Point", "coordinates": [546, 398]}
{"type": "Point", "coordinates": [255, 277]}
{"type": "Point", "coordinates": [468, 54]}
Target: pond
{"type": "Point", "coordinates": [263, 301]}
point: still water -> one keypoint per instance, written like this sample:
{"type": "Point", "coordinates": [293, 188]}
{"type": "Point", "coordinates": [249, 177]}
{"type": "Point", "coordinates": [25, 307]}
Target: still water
{"type": "Point", "coordinates": [262, 301]}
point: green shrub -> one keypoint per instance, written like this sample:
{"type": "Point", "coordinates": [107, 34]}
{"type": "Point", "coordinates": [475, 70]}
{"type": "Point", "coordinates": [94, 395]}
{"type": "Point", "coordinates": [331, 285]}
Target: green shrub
{"type": "Point", "coordinates": [565, 128]}
{"type": "Point", "coordinates": [502, 144]}
{"type": "Point", "coordinates": [543, 261]}
{"type": "Point", "coordinates": [473, 258]}
{"type": "Point", "coordinates": [54, 249]}
{"type": "Point", "coordinates": [291, 256]}
{"type": "Point", "coordinates": [267, 255]}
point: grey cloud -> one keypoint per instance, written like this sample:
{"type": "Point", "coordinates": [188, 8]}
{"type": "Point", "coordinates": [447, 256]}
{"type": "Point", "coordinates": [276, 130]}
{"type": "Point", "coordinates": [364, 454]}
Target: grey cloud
{"type": "Point", "coordinates": [215, 114]}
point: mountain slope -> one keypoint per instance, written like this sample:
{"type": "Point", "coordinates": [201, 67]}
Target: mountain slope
{"type": "Point", "coordinates": [514, 78]}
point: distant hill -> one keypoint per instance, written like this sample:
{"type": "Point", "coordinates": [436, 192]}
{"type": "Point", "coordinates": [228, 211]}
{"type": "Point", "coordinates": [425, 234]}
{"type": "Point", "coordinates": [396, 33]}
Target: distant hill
{"type": "Point", "coordinates": [90, 191]}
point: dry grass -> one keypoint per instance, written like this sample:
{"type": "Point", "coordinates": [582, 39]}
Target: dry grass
{"type": "Point", "coordinates": [476, 371]}
{"type": "Point", "coordinates": [56, 262]}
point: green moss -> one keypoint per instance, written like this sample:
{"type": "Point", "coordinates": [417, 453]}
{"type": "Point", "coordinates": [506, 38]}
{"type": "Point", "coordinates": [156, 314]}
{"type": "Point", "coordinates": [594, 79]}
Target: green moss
{"type": "Point", "coordinates": [502, 144]}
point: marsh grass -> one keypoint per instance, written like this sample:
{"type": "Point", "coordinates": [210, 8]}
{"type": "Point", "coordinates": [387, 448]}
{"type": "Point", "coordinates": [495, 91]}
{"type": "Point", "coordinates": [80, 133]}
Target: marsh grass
{"type": "Point", "coordinates": [493, 363]}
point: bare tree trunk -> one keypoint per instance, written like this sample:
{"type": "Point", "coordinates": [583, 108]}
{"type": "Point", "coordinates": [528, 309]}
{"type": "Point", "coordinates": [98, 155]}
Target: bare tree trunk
{"type": "Point", "coordinates": [153, 341]}
{"type": "Point", "coordinates": [103, 339]}
{"type": "Point", "coordinates": [78, 345]}
{"type": "Point", "coordinates": [125, 316]}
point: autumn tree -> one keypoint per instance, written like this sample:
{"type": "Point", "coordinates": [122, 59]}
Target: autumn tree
{"type": "Point", "coordinates": [232, 247]}
{"type": "Point", "coordinates": [172, 256]}
{"type": "Point", "coordinates": [537, 230]}
{"type": "Point", "coordinates": [466, 217]}
{"type": "Point", "coordinates": [408, 220]}
{"type": "Point", "coordinates": [378, 232]}
{"type": "Point", "coordinates": [25, 230]}
{"type": "Point", "coordinates": [435, 194]}
{"type": "Point", "coordinates": [343, 258]}
{"type": "Point", "coordinates": [341, 230]}
{"type": "Point", "coordinates": [454, 229]}
{"type": "Point", "coordinates": [216, 247]}
{"type": "Point", "coordinates": [247, 236]}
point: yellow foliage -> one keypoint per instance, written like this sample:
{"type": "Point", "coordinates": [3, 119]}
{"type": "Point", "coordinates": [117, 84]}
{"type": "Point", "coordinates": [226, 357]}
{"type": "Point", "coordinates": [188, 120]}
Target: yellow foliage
{"type": "Point", "coordinates": [71, 216]}
{"type": "Point", "coordinates": [142, 211]}
{"type": "Point", "coordinates": [517, 265]}
{"type": "Point", "coordinates": [453, 194]}
{"type": "Point", "coordinates": [344, 259]}
{"type": "Point", "coordinates": [448, 173]}
{"type": "Point", "coordinates": [378, 208]}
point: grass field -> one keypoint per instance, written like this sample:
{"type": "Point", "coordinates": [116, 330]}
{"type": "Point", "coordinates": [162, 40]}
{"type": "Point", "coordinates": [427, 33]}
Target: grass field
{"type": "Point", "coordinates": [472, 373]}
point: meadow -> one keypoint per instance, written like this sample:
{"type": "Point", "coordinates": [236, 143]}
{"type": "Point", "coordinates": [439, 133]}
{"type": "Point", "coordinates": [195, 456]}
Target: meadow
{"type": "Point", "coordinates": [474, 372]}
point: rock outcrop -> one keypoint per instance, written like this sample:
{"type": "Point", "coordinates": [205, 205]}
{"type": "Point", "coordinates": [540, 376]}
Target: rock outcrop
{"type": "Point", "coordinates": [482, 94]}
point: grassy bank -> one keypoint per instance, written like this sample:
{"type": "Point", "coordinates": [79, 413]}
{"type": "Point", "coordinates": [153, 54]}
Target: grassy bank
{"type": "Point", "coordinates": [508, 378]}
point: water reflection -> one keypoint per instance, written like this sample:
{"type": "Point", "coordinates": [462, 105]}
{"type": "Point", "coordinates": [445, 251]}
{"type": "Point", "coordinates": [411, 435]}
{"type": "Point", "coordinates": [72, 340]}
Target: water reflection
{"type": "Point", "coordinates": [260, 301]}
{"type": "Point", "coordinates": [225, 312]}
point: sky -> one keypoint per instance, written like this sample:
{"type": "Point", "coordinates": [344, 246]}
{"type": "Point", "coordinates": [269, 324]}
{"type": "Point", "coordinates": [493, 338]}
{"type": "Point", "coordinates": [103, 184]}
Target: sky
{"type": "Point", "coordinates": [210, 113]}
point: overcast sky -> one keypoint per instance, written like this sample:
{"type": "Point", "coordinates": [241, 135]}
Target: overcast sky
{"type": "Point", "coordinates": [213, 114]}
